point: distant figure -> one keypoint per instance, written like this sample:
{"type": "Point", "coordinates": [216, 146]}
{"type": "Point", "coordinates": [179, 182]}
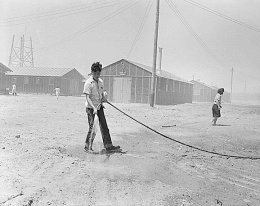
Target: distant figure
{"type": "Point", "coordinates": [57, 90]}
{"type": "Point", "coordinates": [217, 106]}
{"type": "Point", "coordinates": [14, 93]}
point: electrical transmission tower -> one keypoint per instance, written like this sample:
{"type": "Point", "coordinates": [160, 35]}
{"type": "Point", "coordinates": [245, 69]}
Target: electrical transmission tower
{"type": "Point", "coordinates": [21, 56]}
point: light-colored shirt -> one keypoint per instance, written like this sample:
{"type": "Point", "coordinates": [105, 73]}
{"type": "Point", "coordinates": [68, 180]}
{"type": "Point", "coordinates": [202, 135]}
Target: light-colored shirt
{"type": "Point", "coordinates": [95, 90]}
{"type": "Point", "coordinates": [14, 88]}
{"type": "Point", "coordinates": [57, 90]}
{"type": "Point", "coordinates": [217, 100]}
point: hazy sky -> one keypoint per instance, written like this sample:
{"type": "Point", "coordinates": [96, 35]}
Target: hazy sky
{"type": "Point", "coordinates": [204, 38]}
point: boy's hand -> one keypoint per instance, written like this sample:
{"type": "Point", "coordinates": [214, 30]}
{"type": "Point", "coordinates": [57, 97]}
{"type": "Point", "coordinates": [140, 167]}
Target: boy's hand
{"type": "Point", "coordinates": [104, 97]}
{"type": "Point", "coordinates": [95, 111]}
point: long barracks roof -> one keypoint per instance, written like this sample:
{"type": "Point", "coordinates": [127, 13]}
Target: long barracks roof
{"type": "Point", "coordinates": [39, 71]}
{"type": "Point", "coordinates": [211, 87]}
{"type": "Point", "coordinates": [160, 73]}
{"type": "Point", "coordinates": [3, 67]}
{"type": "Point", "coordinates": [206, 85]}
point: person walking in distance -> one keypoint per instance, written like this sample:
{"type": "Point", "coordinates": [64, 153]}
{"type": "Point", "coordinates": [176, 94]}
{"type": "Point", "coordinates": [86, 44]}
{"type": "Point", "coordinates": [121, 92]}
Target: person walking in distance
{"type": "Point", "coordinates": [217, 106]}
{"type": "Point", "coordinates": [57, 91]}
{"type": "Point", "coordinates": [14, 92]}
{"type": "Point", "coordinates": [95, 96]}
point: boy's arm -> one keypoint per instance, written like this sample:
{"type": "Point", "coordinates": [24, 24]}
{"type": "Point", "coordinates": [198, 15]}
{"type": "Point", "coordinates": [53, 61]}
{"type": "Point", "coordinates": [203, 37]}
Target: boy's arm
{"type": "Point", "coordinates": [220, 102]}
{"type": "Point", "coordinates": [91, 103]}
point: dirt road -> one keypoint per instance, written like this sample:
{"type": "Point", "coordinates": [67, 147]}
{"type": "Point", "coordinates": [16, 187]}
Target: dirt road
{"type": "Point", "coordinates": [42, 161]}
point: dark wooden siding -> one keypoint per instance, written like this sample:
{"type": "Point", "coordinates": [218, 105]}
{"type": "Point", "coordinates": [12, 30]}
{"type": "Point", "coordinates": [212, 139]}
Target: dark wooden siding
{"type": "Point", "coordinates": [70, 84]}
{"type": "Point", "coordinates": [140, 80]}
{"type": "Point", "coordinates": [2, 80]}
{"type": "Point", "coordinates": [171, 92]}
{"type": "Point", "coordinates": [203, 93]}
{"type": "Point", "coordinates": [32, 84]}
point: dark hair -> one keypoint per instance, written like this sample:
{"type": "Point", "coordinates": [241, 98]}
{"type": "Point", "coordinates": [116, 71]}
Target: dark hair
{"type": "Point", "coordinates": [96, 66]}
{"type": "Point", "coordinates": [221, 90]}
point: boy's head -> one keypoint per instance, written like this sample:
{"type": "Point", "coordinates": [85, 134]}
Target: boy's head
{"type": "Point", "coordinates": [221, 90]}
{"type": "Point", "coordinates": [96, 66]}
{"type": "Point", "coordinates": [96, 69]}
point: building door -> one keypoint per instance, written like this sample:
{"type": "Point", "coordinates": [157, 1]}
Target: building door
{"type": "Point", "coordinates": [122, 90]}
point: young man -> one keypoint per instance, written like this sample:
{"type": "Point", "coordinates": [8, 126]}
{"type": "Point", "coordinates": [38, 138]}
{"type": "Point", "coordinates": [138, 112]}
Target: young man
{"type": "Point", "coordinates": [217, 106]}
{"type": "Point", "coordinates": [94, 91]}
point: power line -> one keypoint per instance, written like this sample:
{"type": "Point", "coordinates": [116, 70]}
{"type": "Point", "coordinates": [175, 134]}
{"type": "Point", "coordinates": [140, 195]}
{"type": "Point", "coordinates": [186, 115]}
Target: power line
{"type": "Point", "coordinates": [115, 13]}
{"type": "Point", "coordinates": [147, 11]}
{"type": "Point", "coordinates": [222, 15]}
{"type": "Point", "coordinates": [88, 27]}
{"type": "Point", "coordinates": [48, 13]}
{"type": "Point", "coordinates": [52, 15]}
{"type": "Point", "coordinates": [194, 34]}
{"type": "Point", "coordinates": [227, 18]}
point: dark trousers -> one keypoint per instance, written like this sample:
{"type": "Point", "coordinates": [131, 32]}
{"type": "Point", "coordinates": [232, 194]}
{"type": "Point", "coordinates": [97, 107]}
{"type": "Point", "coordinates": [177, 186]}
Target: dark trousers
{"type": "Point", "coordinates": [102, 124]}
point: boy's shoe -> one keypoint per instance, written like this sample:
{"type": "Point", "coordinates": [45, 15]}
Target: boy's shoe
{"type": "Point", "coordinates": [91, 151]}
{"type": "Point", "coordinates": [112, 148]}
{"type": "Point", "coordinates": [86, 148]}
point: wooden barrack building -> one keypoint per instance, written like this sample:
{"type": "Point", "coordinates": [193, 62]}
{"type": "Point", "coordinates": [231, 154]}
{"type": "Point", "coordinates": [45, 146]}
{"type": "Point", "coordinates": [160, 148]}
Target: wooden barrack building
{"type": "Point", "coordinates": [44, 80]}
{"type": "Point", "coordinates": [3, 70]}
{"type": "Point", "coordinates": [130, 82]}
{"type": "Point", "coordinates": [205, 93]}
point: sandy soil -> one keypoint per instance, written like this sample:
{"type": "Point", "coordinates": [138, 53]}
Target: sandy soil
{"type": "Point", "coordinates": [42, 161]}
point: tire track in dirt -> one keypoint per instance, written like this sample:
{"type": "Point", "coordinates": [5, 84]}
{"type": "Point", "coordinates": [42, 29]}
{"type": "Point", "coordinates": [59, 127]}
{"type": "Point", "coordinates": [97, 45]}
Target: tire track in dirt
{"type": "Point", "coordinates": [245, 179]}
{"type": "Point", "coordinates": [238, 177]}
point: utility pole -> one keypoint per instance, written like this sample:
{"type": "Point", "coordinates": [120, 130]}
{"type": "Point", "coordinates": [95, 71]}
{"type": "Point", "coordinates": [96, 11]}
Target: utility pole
{"type": "Point", "coordinates": [152, 94]}
{"type": "Point", "coordinates": [232, 71]}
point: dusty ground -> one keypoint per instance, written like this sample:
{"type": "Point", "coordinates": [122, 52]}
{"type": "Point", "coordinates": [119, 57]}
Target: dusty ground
{"type": "Point", "coordinates": [42, 161]}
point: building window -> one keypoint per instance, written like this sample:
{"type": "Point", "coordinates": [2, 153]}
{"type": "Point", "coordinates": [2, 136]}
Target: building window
{"type": "Point", "coordinates": [14, 80]}
{"type": "Point", "coordinates": [26, 80]}
{"type": "Point", "coordinates": [167, 85]}
{"type": "Point", "coordinates": [51, 81]}
{"type": "Point", "coordinates": [38, 80]}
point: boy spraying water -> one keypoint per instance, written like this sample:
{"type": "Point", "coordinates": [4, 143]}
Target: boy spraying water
{"type": "Point", "coordinates": [95, 96]}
